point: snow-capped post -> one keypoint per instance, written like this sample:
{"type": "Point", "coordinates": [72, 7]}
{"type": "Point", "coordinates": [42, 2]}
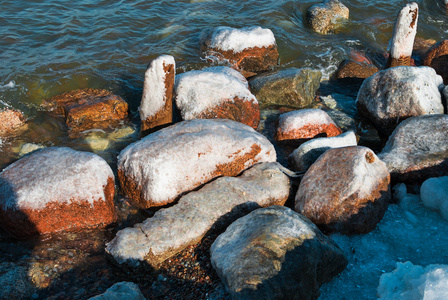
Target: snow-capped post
{"type": "Point", "coordinates": [402, 42]}
{"type": "Point", "coordinates": [156, 107]}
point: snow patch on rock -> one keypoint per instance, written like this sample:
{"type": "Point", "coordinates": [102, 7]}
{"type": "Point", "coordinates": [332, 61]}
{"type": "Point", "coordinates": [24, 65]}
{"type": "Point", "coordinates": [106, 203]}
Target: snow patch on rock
{"type": "Point", "coordinates": [299, 118]}
{"type": "Point", "coordinates": [227, 38]}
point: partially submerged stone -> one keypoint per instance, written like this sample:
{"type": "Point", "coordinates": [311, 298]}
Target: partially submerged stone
{"type": "Point", "coordinates": [156, 107]}
{"type": "Point", "coordinates": [10, 120]}
{"type": "Point", "coordinates": [250, 50]}
{"type": "Point", "coordinates": [434, 194]}
{"type": "Point", "coordinates": [437, 58]}
{"type": "Point", "coordinates": [121, 291]}
{"type": "Point", "coordinates": [418, 149]}
{"type": "Point", "coordinates": [214, 206]}
{"type": "Point", "coordinates": [159, 168]}
{"type": "Point", "coordinates": [304, 156]}
{"type": "Point", "coordinates": [275, 253]}
{"type": "Point", "coordinates": [346, 190]}
{"type": "Point", "coordinates": [216, 93]}
{"type": "Point", "coordinates": [305, 124]}
{"type": "Point", "coordinates": [56, 189]}
{"type": "Point", "coordinates": [294, 87]}
{"type": "Point", "coordinates": [326, 17]}
{"type": "Point", "coordinates": [390, 96]}
{"type": "Point", "coordinates": [350, 69]}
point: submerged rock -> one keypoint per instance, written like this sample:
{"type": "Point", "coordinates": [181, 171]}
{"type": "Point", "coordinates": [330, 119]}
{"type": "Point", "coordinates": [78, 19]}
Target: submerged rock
{"type": "Point", "coordinates": [437, 58]}
{"type": "Point", "coordinates": [121, 291]}
{"type": "Point", "coordinates": [159, 168]}
{"type": "Point", "coordinates": [275, 253]}
{"type": "Point", "coordinates": [434, 194]}
{"type": "Point", "coordinates": [287, 87]}
{"type": "Point", "coordinates": [418, 149]}
{"type": "Point", "coordinates": [327, 16]}
{"type": "Point", "coordinates": [14, 282]}
{"type": "Point", "coordinates": [346, 190]}
{"type": "Point", "coordinates": [56, 189]}
{"type": "Point", "coordinates": [215, 205]}
{"type": "Point", "coordinates": [10, 121]}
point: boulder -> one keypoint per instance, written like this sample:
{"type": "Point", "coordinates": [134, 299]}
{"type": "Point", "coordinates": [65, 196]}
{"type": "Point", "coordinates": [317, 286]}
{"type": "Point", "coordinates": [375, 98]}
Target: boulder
{"type": "Point", "coordinates": [216, 93]}
{"type": "Point", "coordinates": [295, 87]}
{"type": "Point", "coordinates": [14, 282]}
{"type": "Point", "coordinates": [418, 149]}
{"type": "Point", "coordinates": [326, 17]}
{"type": "Point", "coordinates": [156, 108]}
{"type": "Point", "coordinates": [346, 190]}
{"type": "Point", "coordinates": [305, 124]}
{"type": "Point", "coordinates": [86, 109]}
{"type": "Point", "coordinates": [121, 291]}
{"type": "Point", "coordinates": [198, 213]}
{"type": "Point", "coordinates": [434, 194]}
{"type": "Point", "coordinates": [350, 69]}
{"type": "Point", "coordinates": [437, 58]}
{"type": "Point", "coordinates": [10, 120]}
{"type": "Point", "coordinates": [304, 156]}
{"type": "Point", "coordinates": [159, 168]}
{"type": "Point", "coordinates": [56, 189]}
{"type": "Point", "coordinates": [275, 253]}
{"type": "Point", "coordinates": [390, 96]}
{"type": "Point", "coordinates": [250, 50]}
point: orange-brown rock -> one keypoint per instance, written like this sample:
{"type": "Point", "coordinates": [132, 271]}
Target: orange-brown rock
{"type": "Point", "coordinates": [10, 120]}
{"type": "Point", "coordinates": [346, 190]}
{"type": "Point", "coordinates": [350, 69]}
{"type": "Point", "coordinates": [437, 58]}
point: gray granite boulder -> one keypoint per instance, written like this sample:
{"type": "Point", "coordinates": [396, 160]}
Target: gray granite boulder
{"type": "Point", "coordinates": [215, 205]}
{"type": "Point", "coordinates": [418, 149]}
{"type": "Point", "coordinates": [121, 291]}
{"type": "Point", "coordinates": [327, 16]}
{"type": "Point", "coordinates": [275, 253]}
{"type": "Point", "coordinates": [390, 96]}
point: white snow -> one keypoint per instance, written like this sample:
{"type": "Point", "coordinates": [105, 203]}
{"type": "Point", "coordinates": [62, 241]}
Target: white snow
{"type": "Point", "coordinates": [197, 91]}
{"type": "Point", "coordinates": [56, 174]}
{"type": "Point", "coordinates": [9, 85]}
{"type": "Point", "coordinates": [434, 194]}
{"type": "Point", "coordinates": [154, 90]}
{"type": "Point", "coordinates": [403, 36]}
{"type": "Point", "coordinates": [299, 118]}
{"type": "Point", "coordinates": [239, 39]}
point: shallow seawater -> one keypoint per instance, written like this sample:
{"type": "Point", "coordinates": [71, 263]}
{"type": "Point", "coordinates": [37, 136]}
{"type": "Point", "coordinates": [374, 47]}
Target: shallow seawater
{"type": "Point", "coordinates": [50, 47]}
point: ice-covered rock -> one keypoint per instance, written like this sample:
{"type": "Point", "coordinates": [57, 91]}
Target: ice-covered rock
{"type": "Point", "coordinates": [414, 282]}
{"type": "Point", "coordinates": [214, 206]}
{"type": "Point", "coordinates": [295, 87]}
{"type": "Point", "coordinates": [305, 124]}
{"type": "Point", "coordinates": [121, 291]}
{"type": "Point", "coordinates": [418, 149]}
{"type": "Point", "coordinates": [249, 50]}
{"type": "Point", "coordinates": [56, 189]}
{"type": "Point", "coordinates": [304, 156]}
{"type": "Point", "coordinates": [216, 93]}
{"type": "Point", "coordinates": [434, 194]}
{"type": "Point", "coordinates": [390, 96]}
{"type": "Point", "coordinates": [326, 17]}
{"type": "Point", "coordinates": [159, 168]}
{"type": "Point", "coordinates": [437, 58]}
{"type": "Point", "coordinates": [275, 253]}
{"type": "Point", "coordinates": [350, 69]}
{"type": "Point", "coordinates": [156, 107]}
{"type": "Point", "coordinates": [14, 282]}
{"type": "Point", "coordinates": [346, 190]}
{"type": "Point", "coordinates": [10, 120]}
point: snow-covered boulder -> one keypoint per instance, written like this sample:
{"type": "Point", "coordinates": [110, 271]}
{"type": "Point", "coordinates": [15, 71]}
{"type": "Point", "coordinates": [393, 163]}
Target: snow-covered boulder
{"type": "Point", "coordinates": [418, 149]}
{"type": "Point", "coordinates": [216, 93]}
{"type": "Point", "coordinates": [275, 253]}
{"type": "Point", "coordinates": [250, 50]}
{"type": "Point", "coordinates": [434, 194]}
{"type": "Point", "coordinates": [304, 156]}
{"type": "Point", "coordinates": [437, 58]}
{"type": "Point", "coordinates": [121, 291]}
{"type": "Point", "coordinates": [295, 87]}
{"type": "Point", "coordinates": [156, 107]}
{"type": "Point", "coordinates": [346, 190]}
{"type": "Point", "coordinates": [390, 96]}
{"type": "Point", "coordinates": [214, 206]}
{"type": "Point", "coordinates": [326, 17]}
{"type": "Point", "coordinates": [10, 120]}
{"type": "Point", "coordinates": [165, 164]}
{"type": "Point", "coordinates": [305, 124]}
{"type": "Point", "coordinates": [56, 189]}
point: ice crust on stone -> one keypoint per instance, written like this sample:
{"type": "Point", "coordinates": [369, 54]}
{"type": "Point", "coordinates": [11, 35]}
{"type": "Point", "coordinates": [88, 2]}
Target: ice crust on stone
{"type": "Point", "coordinates": [154, 90]}
{"type": "Point", "coordinates": [299, 118]}
{"type": "Point", "coordinates": [404, 32]}
{"type": "Point", "coordinates": [197, 91]}
{"type": "Point", "coordinates": [434, 194]}
{"type": "Point", "coordinates": [239, 39]}
{"type": "Point", "coordinates": [413, 282]}
{"type": "Point", "coordinates": [56, 174]}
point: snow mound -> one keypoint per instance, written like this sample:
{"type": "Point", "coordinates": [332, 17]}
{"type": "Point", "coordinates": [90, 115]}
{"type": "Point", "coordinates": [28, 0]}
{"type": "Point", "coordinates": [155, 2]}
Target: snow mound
{"type": "Point", "coordinates": [434, 194]}
{"type": "Point", "coordinates": [237, 40]}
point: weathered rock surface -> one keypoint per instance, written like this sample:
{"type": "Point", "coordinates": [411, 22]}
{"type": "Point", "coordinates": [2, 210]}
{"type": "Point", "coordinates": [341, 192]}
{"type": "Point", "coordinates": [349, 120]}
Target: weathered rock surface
{"type": "Point", "coordinates": [350, 69]}
{"type": "Point", "coordinates": [249, 50]}
{"type": "Point", "coordinates": [56, 189]}
{"type": "Point", "coordinates": [156, 107]}
{"type": "Point", "coordinates": [215, 205]}
{"type": "Point", "coordinates": [216, 93]}
{"type": "Point", "coordinates": [304, 156]}
{"type": "Point", "coordinates": [121, 291]}
{"type": "Point", "coordinates": [418, 149]}
{"type": "Point", "coordinates": [437, 58]}
{"type": "Point", "coordinates": [390, 96]}
{"type": "Point", "coordinates": [305, 124]}
{"type": "Point", "coordinates": [346, 190]}
{"type": "Point", "coordinates": [159, 168]}
{"type": "Point", "coordinates": [434, 194]}
{"type": "Point", "coordinates": [295, 87]}
{"type": "Point", "coordinates": [10, 120]}
{"type": "Point", "coordinates": [326, 17]}
{"type": "Point", "coordinates": [275, 253]}
{"type": "Point", "coordinates": [14, 282]}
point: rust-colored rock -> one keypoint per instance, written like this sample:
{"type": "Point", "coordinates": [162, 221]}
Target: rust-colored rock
{"type": "Point", "coordinates": [10, 120]}
{"type": "Point", "coordinates": [437, 58]}
{"type": "Point", "coordinates": [355, 70]}
{"type": "Point", "coordinates": [346, 190]}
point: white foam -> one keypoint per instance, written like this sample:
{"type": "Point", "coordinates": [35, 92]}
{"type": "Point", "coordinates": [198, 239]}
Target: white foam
{"type": "Point", "coordinates": [9, 85]}
{"type": "Point", "coordinates": [299, 118]}
{"type": "Point", "coordinates": [239, 39]}
{"type": "Point", "coordinates": [434, 194]}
